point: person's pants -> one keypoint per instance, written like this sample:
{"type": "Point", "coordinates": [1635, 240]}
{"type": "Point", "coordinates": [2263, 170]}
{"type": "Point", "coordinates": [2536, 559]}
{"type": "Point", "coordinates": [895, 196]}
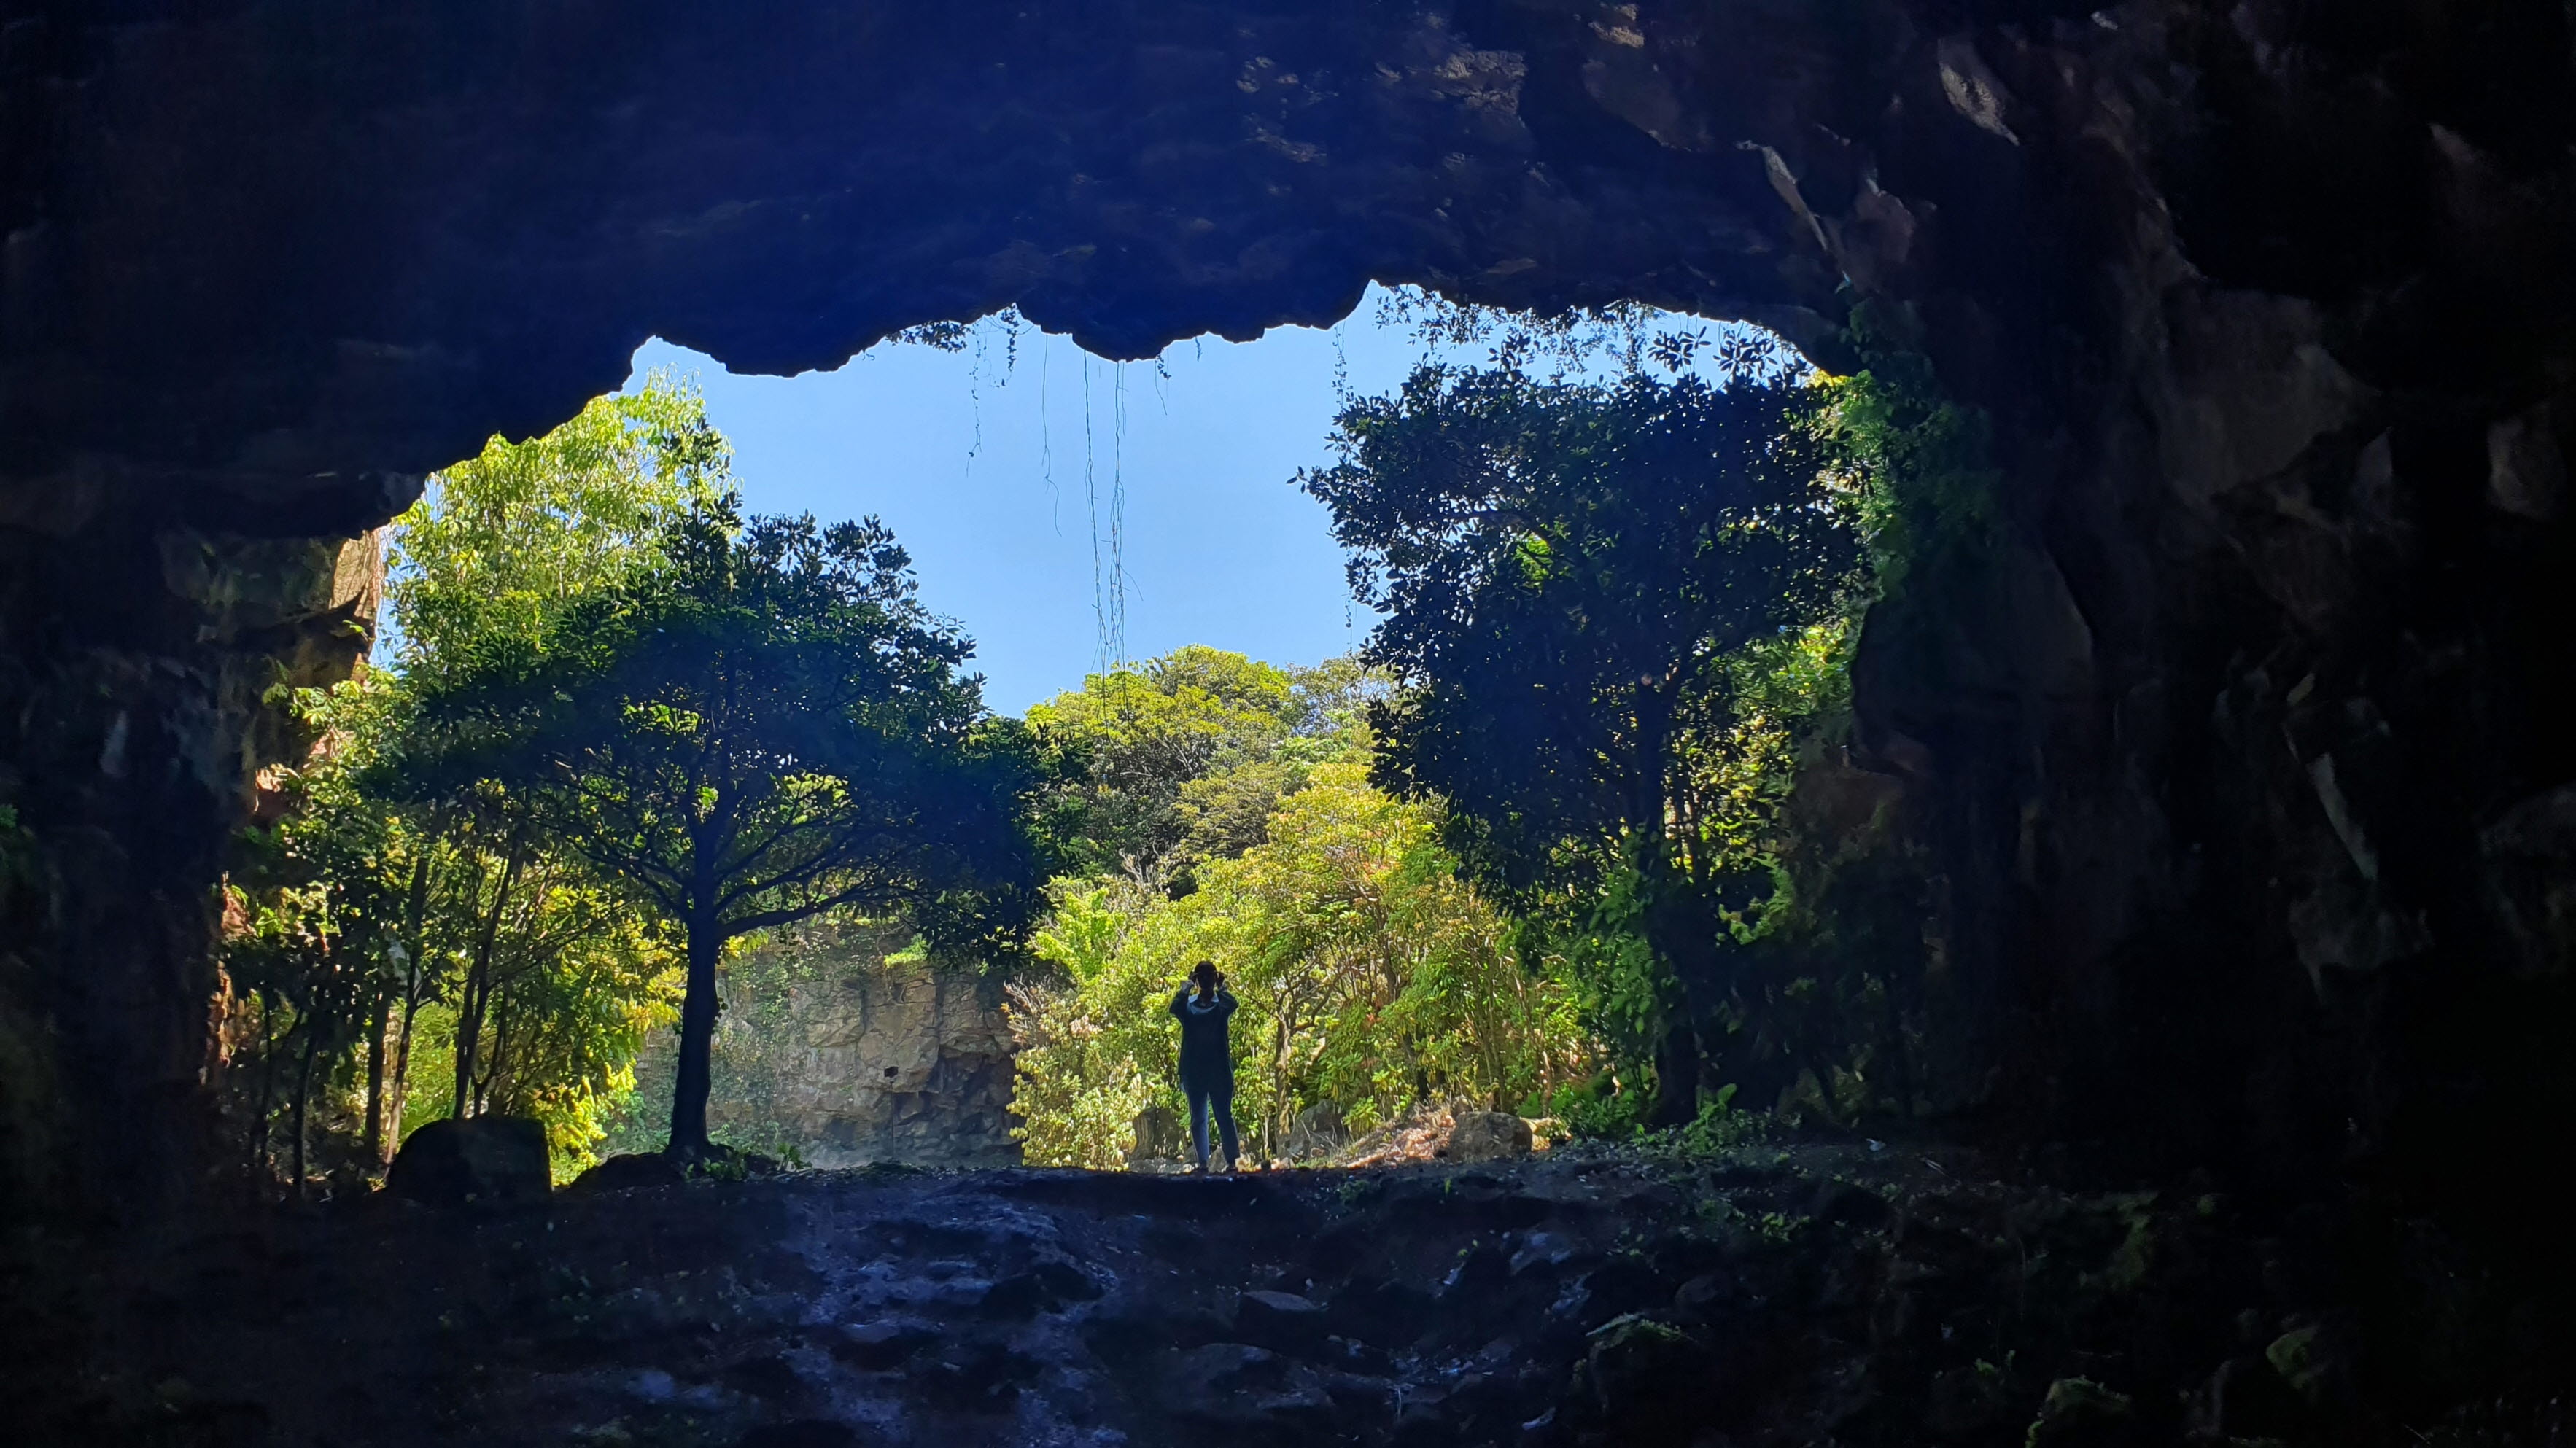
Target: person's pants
{"type": "Point", "coordinates": [1219, 1099]}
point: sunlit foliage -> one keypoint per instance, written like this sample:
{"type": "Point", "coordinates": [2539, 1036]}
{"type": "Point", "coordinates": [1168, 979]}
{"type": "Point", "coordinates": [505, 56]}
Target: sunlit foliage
{"type": "Point", "coordinates": [1594, 595]}
{"type": "Point", "coordinates": [767, 727]}
{"type": "Point", "coordinates": [402, 950]}
{"type": "Point", "coordinates": [1372, 979]}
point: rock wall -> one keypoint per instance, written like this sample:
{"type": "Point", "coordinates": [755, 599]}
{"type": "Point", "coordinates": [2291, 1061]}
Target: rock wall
{"type": "Point", "coordinates": [2236, 757]}
{"type": "Point", "coordinates": [840, 1043]}
{"type": "Point", "coordinates": [141, 664]}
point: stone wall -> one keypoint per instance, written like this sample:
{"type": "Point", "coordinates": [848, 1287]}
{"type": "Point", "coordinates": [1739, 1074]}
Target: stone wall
{"type": "Point", "coordinates": [143, 670]}
{"type": "Point", "coordinates": [852, 1057]}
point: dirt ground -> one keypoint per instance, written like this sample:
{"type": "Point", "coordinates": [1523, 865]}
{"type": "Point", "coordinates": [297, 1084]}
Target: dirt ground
{"type": "Point", "coordinates": [1802, 1292]}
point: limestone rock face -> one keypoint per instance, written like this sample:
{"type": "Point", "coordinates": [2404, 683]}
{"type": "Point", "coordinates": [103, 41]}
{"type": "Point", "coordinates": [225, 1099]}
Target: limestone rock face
{"type": "Point", "coordinates": [1476, 1136]}
{"type": "Point", "coordinates": [860, 1058]}
{"type": "Point", "coordinates": [140, 669]}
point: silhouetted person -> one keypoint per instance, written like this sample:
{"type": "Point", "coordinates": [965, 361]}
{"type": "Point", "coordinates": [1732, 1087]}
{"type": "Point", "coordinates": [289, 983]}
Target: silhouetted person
{"type": "Point", "coordinates": [1207, 1061]}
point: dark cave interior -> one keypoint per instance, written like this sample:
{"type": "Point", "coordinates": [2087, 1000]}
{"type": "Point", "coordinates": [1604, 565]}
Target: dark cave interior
{"type": "Point", "coordinates": [2236, 762]}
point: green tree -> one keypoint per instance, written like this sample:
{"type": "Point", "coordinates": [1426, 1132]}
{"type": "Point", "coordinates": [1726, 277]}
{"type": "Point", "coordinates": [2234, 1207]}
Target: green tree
{"type": "Point", "coordinates": [1372, 980]}
{"type": "Point", "coordinates": [505, 541]}
{"type": "Point", "coordinates": [1142, 736]}
{"type": "Point", "coordinates": [306, 955]}
{"type": "Point", "coordinates": [1179, 759]}
{"type": "Point", "coordinates": [768, 727]}
{"type": "Point", "coordinates": [445, 928]}
{"type": "Point", "coordinates": [1568, 575]}
{"type": "Point", "coordinates": [366, 917]}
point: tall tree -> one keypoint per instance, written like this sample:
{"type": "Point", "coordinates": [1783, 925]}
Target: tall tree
{"type": "Point", "coordinates": [1142, 735]}
{"type": "Point", "coordinates": [768, 727]}
{"type": "Point", "coordinates": [1373, 980]}
{"type": "Point", "coordinates": [505, 541]}
{"type": "Point", "coordinates": [371, 902]}
{"type": "Point", "coordinates": [1178, 760]}
{"type": "Point", "coordinates": [1565, 571]}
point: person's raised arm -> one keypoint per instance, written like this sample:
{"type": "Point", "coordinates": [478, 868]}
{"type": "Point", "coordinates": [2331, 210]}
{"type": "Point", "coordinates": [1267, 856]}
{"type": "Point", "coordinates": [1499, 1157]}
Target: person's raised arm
{"type": "Point", "coordinates": [1180, 1000]}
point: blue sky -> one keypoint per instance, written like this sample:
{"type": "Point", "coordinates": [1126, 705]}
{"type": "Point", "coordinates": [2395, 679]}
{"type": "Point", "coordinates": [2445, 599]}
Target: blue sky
{"type": "Point", "coordinates": [1217, 547]}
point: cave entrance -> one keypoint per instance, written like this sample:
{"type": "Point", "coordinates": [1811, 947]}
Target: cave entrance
{"type": "Point", "coordinates": [1076, 512]}
{"type": "Point", "coordinates": [1077, 515]}
{"type": "Point", "coordinates": [267, 271]}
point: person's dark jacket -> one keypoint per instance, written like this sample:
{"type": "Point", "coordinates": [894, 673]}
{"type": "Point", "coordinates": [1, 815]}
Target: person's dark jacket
{"type": "Point", "coordinates": [1207, 1063]}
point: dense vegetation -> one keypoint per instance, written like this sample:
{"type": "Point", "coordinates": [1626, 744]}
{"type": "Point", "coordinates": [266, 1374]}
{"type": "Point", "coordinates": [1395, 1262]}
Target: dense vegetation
{"type": "Point", "coordinates": [444, 946]}
{"type": "Point", "coordinates": [1225, 812]}
{"type": "Point", "coordinates": [1540, 860]}
{"type": "Point", "coordinates": [620, 726]}
{"type": "Point", "coordinates": [1532, 850]}
{"type": "Point", "coordinates": [767, 728]}
{"type": "Point", "coordinates": [1592, 591]}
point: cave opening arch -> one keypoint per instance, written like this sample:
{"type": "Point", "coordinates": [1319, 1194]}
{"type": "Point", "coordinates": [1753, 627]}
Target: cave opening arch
{"type": "Point", "coordinates": [267, 264]}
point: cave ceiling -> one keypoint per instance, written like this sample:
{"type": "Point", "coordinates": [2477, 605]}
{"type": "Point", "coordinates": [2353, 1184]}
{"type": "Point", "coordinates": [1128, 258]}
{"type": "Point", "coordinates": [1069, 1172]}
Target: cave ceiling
{"type": "Point", "coordinates": [303, 251]}
{"type": "Point", "coordinates": [296, 253]}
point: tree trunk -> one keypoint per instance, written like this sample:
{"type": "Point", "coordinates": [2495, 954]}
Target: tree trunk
{"type": "Point", "coordinates": [1274, 1124]}
{"type": "Point", "coordinates": [267, 1081]}
{"type": "Point", "coordinates": [1666, 921]}
{"type": "Point", "coordinates": [402, 1069]}
{"type": "Point", "coordinates": [304, 1094]}
{"type": "Point", "coordinates": [1681, 932]}
{"type": "Point", "coordinates": [1676, 1099]}
{"type": "Point", "coordinates": [406, 951]}
{"type": "Point", "coordinates": [498, 1063]}
{"type": "Point", "coordinates": [469, 1032]}
{"type": "Point", "coordinates": [697, 1042]}
{"type": "Point", "coordinates": [477, 992]}
{"type": "Point", "coordinates": [373, 1143]}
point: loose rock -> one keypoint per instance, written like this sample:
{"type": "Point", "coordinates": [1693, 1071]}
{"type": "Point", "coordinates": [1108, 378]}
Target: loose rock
{"type": "Point", "coordinates": [1486, 1136]}
{"type": "Point", "coordinates": [483, 1160]}
{"type": "Point", "coordinates": [1281, 1321]}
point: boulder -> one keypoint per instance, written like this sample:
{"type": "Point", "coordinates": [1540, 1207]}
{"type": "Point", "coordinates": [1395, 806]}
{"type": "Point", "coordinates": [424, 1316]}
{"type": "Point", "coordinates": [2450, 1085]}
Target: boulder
{"type": "Point", "coordinates": [1448, 1133]}
{"type": "Point", "coordinates": [1283, 1322]}
{"type": "Point", "coordinates": [484, 1160]}
{"type": "Point", "coordinates": [1316, 1132]}
{"type": "Point", "coordinates": [975, 1377]}
{"type": "Point", "coordinates": [1237, 1390]}
{"type": "Point", "coordinates": [2080, 1413]}
{"type": "Point", "coordinates": [2246, 1398]}
{"type": "Point", "coordinates": [634, 1169]}
{"type": "Point", "coordinates": [1486, 1136]}
{"type": "Point", "coordinates": [883, 1345]}
{"type": "Point", "coordinates": [2313, 1361]}
{"type": "Point", "coordinates": [1389, 1314]}
{"type": "Point", "coordinates": [1158, 1135]}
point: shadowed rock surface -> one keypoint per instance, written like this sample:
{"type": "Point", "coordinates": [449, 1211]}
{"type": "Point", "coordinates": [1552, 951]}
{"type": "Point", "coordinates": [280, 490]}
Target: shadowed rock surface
{"type": "Point", "coordinates": [490, 1160]}
{"type": "Point", "coordinates": [1859, 1294]}
{"type": "Point", "coordinates": [2217, 800]}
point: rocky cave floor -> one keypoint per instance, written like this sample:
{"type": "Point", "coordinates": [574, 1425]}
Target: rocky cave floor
{"type": "Point", "coordinates": [1804, 1292]}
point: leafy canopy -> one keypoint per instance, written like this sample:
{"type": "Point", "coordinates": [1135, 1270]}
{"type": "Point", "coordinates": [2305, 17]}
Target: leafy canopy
{"type": "Point", "coordinates": [1371, 978]}
{"type": "Point", "coordinates": [427, 929]}
{"type": "Point", "coordinates": [1566, 572]}
{"type": "Point", "coordinates": [1179, 759]}
{"type": "Point", "coordinates": [767, 727]}
{"type": "Point", "coordinates": [505, 541]}
{"type": "Point", "coordinates": [1588, 591]}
